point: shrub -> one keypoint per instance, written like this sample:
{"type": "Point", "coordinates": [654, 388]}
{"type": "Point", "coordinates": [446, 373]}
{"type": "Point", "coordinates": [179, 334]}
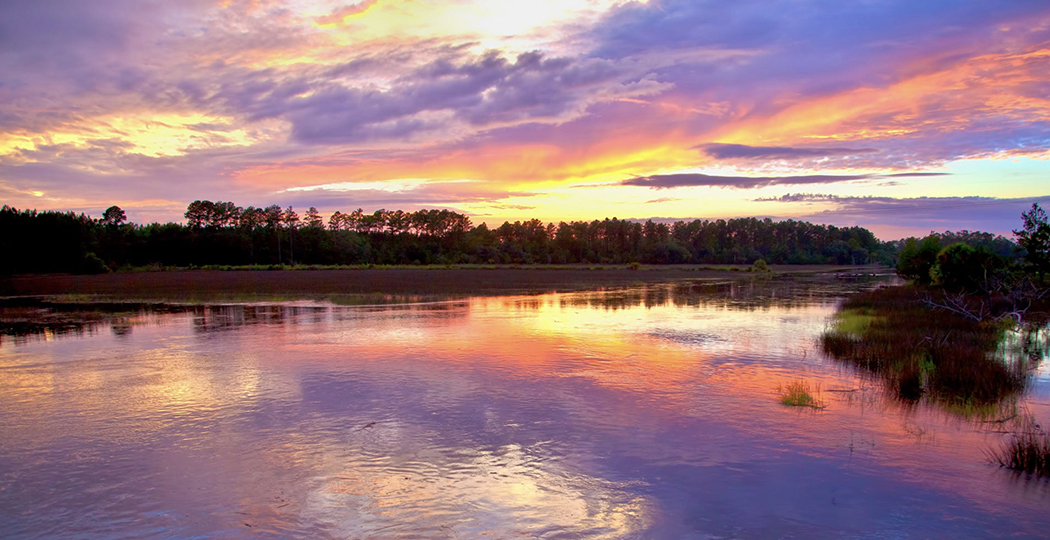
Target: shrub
{"type": "Point", "coordinates": [960, 267]}
{"type": "Point", "coordinates": [916, 259]}
{"type": "Point", "coordinates": [92, 264]}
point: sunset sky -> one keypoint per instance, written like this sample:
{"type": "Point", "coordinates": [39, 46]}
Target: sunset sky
{"type": "Point", "coordinates": [900, 116]}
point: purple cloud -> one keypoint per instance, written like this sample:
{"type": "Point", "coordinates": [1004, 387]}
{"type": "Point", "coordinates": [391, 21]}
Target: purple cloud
{"type": "Point", "coordinates": [665, 181]}
{"type": "Point", "coordinates": [917, 215]}
{"type": "Point", "coordinates": [743, 151]}
{"type": "Point", "coordinates": [913, 175]}
{"type": "Point", "coordinates": [475, 92]}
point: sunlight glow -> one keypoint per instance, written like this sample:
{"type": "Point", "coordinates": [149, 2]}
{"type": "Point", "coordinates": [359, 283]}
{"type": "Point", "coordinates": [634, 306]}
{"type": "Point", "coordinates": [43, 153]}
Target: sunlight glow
{"type": "Point", "coordinates": [153, 135]}
{"type": "Point", "coordinates": [508, 26]}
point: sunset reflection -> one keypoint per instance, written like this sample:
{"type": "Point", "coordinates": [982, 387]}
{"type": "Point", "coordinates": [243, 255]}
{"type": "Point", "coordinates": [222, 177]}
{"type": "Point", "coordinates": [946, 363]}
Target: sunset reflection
{"type": "Point", "coordinates": [597, 414]}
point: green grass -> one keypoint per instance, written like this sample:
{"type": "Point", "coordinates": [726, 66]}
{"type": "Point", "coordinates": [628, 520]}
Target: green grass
{"type": "Point", "coordinates": [853, 322]}
{"type": "Point", "coordinates": [799, 394]}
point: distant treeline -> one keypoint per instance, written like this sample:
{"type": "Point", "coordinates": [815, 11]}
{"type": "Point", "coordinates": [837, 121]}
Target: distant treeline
{"type": "Point", "coordinates": [222, 233]}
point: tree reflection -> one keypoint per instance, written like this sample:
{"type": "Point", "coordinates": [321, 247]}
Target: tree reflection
{"type": "Point", "coordinates": [741, 295]}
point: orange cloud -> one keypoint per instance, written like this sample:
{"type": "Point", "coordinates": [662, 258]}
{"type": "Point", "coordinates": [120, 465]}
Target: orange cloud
{"type": "Point", "coordinates": [621, 153]}
{"type": "Point", "coordinates": [958, 97]}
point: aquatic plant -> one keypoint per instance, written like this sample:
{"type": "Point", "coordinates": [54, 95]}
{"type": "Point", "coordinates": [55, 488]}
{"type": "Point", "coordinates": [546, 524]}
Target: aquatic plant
{"type": "Point", "coordinates": [1028, 451]}
{"type": "Point", "coordinates": [798, 394]}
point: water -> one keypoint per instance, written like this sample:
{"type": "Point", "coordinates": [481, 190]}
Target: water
{"type": "Point", "coordinates": [649, 412]}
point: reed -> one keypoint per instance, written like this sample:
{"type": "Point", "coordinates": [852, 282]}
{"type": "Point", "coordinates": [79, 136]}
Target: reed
{"type": "Point", "coordinates": [1028, 451]}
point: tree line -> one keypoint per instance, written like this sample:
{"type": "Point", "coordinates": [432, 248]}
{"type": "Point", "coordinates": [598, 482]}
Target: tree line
{"type": "Point", "coordinates": [979, 262]}
{"type": "Point", "coordinates": [222, 233]}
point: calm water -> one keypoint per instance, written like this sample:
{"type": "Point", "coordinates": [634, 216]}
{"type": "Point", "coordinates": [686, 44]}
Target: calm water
{"type": "Point", "coordinates": [644, 413]}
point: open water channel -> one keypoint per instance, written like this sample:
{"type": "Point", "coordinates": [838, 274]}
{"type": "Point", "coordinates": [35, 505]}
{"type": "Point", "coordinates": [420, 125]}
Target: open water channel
{"type": "Point", "coordinates": [647, 412]}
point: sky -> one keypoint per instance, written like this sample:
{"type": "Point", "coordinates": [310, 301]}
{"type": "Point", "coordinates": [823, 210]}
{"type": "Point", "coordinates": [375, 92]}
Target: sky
{"type": "Point", "coordinates": [900, 116]}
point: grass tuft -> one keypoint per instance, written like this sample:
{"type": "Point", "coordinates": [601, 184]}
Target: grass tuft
{"type": "Point", "coordinates": [1028, 451]}
{"type": "Point", "coordinates": [798, 394]}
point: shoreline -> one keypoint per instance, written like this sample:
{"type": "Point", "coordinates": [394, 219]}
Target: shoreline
{"type": "Point", "coordinates": [401, 280]}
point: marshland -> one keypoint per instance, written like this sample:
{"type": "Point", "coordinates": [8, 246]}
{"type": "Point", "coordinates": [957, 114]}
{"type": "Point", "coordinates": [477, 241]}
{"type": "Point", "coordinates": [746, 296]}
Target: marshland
{"type": "Point", "coordinates": [624, 409]}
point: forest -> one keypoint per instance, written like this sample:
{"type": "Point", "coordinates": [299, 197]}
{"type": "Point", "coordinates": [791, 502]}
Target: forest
{"type": "Point", "coordinates": [222, 233]}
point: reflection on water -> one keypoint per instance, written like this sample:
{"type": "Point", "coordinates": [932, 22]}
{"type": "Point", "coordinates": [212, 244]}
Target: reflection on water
{"type": "Point", "coordinates": [647, 412]}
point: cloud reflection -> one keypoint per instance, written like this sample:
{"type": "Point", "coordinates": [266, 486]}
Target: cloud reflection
{"type": "Point", "coordinates": [612, 413]}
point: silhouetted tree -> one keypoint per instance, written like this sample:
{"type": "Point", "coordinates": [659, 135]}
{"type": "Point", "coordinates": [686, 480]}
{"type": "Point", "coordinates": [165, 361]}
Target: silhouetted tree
{"type": "Point", "coordinates": [313, 218]}
{"type": "Point", "coordinates": [1034, 237]}
{"type": "Point", "coordinates": [198, 213]}
{"type": "Point", "coordinates": [114, 216]}
{"type": "Point", "coordinates": [291, 220]}
{"type": "Point", "coordinates": [274, 216]}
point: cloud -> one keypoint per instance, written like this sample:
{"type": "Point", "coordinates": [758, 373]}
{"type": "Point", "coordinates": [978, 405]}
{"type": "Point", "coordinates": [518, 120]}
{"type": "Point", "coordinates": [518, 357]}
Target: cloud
{"type": "Point", "coordinates": [799, 197]}
{"type": "Point", "coordinates": [893, 217]}
{"type": "Point", "coordinates": [502, 207]}
{"type": "Point", "coordinates": [665, 181]}
{"type": "Point", "coordinates": [919, 84]}
{"type": "Point", "coordinates": [913, 174]}
{"type": "Point", "coordinates": [235, 98]}
{"type": "Point", "coordinates": [404, 195]}
{"type": "Point", "coordinates": [450, 95]}
{"type": "Point", "coordinates": [338, 16]}
{"type": "Point", "coordinates": [664, 220]}
{"type": "Point", "coordinates": [803, 42]}
{"type": "Point", "coordinates": [743, 151]}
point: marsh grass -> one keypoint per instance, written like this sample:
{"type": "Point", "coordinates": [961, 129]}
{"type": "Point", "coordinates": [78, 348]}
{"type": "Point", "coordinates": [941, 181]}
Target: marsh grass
{"type": "Point", "coordinates": [853, 321]}
{"type": "Point", "coordinates": [799, 394]}
{"type": "Point", "coordinates": [921, 353]}
{"type": "Point", "coordinates": [1028, 451]}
